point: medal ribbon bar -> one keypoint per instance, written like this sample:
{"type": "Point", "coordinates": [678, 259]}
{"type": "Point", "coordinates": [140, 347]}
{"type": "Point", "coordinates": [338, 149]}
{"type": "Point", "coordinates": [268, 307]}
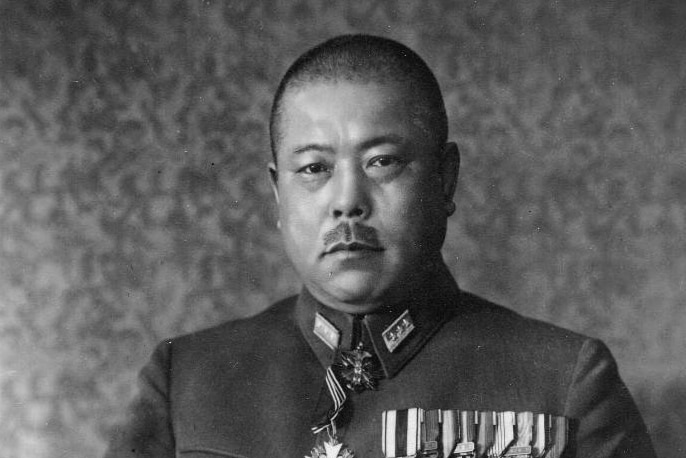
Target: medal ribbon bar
{"type": "Point", "coordinates": [472, 434]}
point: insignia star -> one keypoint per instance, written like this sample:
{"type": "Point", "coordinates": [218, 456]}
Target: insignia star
{"type": "Point", "coordinates": [357, 367]}
{"type": "Point", "coordinates": [331, 449]}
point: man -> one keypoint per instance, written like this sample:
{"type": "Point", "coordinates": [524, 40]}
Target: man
{"type": "Point", "coordinates": [381, 353]}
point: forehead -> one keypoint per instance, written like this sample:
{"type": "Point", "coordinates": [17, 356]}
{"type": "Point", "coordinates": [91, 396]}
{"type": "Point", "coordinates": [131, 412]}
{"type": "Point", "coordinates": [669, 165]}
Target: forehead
{"type": "Point", "coordinates": [343, 97]}
{"type": "Point", "coordinates": [353, 110]}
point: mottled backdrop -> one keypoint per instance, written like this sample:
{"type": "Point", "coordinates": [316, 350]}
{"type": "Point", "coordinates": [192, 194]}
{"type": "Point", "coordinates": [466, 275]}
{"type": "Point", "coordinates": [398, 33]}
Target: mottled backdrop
{"type": "Point", "coordinates": [135, 205]}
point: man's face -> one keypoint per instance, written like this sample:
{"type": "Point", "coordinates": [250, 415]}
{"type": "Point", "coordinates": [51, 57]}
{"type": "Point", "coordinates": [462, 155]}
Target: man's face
{"type": "Point", "coordinates": [361, 192]}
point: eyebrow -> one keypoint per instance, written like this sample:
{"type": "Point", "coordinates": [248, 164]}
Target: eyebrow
{"type": "Point", "coordinates": [392, 139]}
{"type": "Point", "coordinates": [313, 147]}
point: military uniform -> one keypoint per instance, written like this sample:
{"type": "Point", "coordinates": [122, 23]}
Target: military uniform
{"type": "Point", "coordinates": [254, 387]}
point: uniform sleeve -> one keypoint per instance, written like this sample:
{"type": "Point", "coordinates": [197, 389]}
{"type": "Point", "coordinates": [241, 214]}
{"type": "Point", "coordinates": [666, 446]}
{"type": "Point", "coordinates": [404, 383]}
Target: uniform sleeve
{"type": "Point", "coordinates": [147, 431]}
{"type": "Point", "coordinates": [610, 424]}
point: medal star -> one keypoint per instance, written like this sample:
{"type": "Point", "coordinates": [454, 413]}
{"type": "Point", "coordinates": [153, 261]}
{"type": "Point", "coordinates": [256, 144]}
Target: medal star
{"type": "Point", "coordinates": [332, 449]}
{"type": "Point", "coordinates": [357, 368]}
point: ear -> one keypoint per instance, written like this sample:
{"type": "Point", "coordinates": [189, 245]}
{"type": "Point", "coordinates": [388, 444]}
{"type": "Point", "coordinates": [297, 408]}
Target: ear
{"type": "Point", "coordinates": [450, 167]}
{"type": "Point", "coordinates": [274, 180]}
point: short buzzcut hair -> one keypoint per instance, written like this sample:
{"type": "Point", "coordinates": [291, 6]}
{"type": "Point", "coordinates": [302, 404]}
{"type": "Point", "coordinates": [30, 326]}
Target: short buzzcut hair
{"type": "Point", "coordinates": [366, 58]}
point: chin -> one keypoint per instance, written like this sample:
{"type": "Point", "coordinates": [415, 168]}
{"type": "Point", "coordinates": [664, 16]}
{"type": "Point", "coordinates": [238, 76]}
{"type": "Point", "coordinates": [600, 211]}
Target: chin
{"type": "Point", "coordinates": [356, 292]}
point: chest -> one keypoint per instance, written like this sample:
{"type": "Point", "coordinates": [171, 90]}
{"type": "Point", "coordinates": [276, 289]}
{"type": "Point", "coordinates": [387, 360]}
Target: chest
{"type": "Point", "coordinates": [264, 407]}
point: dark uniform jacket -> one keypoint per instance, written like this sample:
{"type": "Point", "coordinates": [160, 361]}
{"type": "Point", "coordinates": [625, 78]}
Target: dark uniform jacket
{"type": "Point", "coordinates": [254, 387]}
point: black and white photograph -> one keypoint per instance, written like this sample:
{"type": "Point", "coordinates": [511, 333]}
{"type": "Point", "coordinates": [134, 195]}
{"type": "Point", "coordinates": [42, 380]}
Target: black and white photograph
{"type": "Point", "coordinates": [342, 229]}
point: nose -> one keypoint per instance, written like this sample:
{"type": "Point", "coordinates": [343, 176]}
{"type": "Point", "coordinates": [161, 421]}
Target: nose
{"type": "Point", "coordinates": [350, 199]}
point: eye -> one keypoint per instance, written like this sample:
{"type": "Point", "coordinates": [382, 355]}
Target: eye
{"type": "Point", "coordinates": [386, 166]}
{"type": "Point", "coordinates": [314, 169]}
{"type": "Point", "coordinates": [385, 161]}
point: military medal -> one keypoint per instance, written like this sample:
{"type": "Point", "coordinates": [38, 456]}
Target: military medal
{"type": "Point", "coordinates": [504, 433]}
{"type": "Point", "coordinates": [401, 432]}
{"type": "Point", "coordinates": [549, 436]}
{"type": "Point", "coordinates": [469, 421]}
{"type": "Point", "coordinates": [486, 433]}
{"type": "Point", "coordinates": [356, 367]}
{"type": "Point", "coordinates": [538, 443]}
{"type": "Point", "coordinates": [431, 432]}
{"type": "Point", "coordinates": [522, 447]}
{"type": "Point", "coordinates": [331, 448]}
{"type": "Point", "coordinates": [452, 433]}
{"type": "Point", "coordinates": [559, 428]}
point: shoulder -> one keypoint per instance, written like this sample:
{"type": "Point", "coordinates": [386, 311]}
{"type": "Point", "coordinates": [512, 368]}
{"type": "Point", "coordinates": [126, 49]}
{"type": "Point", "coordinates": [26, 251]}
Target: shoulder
{"type": "Point", "coordinates": [495, 340]}
{"type": "Point", "coordinates": [514, 362]}
{"type": "Point", "coordinates": [518, 363]}
{"type": "Point", "coordinates": [487, 321]}
{"type": "Point", "coordinates": [273, 325]}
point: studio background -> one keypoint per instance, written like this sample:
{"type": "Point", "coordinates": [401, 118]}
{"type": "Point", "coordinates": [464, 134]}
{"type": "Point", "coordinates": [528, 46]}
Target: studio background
{"type": "Point", "coordinates": [135, 203]}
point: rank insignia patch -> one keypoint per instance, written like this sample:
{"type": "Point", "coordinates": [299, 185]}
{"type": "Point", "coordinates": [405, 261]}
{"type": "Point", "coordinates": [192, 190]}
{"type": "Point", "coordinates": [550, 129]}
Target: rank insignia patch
{"type": "Point", "coordinates": [398, 331]}
{"type": "Point", "coordinates": [326, 331]}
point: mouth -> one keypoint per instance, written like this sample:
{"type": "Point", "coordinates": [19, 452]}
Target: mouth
{"type": "Point", "coordinates": [352, 247]}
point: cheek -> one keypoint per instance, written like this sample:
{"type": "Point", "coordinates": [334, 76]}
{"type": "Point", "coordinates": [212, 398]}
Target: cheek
{"type": "Point", "coordinates": [413, 203]}
{"type": "Point", "coordinates": [299, 222]}
{"type": "Point", "coordinates": [414, 217]}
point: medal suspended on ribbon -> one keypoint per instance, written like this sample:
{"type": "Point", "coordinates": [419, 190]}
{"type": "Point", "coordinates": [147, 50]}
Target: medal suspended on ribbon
{"type": "Point", "coordinates": [416, 432]}
{"type": "Point", "coordinates": [357, 368]}
{"type": "Point", "coordinates": [331, 447]}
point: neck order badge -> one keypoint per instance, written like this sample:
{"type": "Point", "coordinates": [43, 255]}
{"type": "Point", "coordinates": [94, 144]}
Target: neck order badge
{"type": "Point", "coordinates": [358, 369]}
{"type": "Point", "coordinates": [331, 447]}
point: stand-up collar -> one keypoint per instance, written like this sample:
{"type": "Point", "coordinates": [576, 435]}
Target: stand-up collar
{"type": "Point", "coordinates": [427, 309]}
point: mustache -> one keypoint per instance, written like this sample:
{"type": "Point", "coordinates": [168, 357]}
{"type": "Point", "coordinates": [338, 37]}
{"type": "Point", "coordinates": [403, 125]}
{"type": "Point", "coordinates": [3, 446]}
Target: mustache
{"type": "Point", "coordinates": [348, 234]}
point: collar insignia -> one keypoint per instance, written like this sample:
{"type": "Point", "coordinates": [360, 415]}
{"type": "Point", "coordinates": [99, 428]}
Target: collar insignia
{"type": "Point", "coordinates": [398, 331]}
{"type": "Point", "coordinates": [326, 331]}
